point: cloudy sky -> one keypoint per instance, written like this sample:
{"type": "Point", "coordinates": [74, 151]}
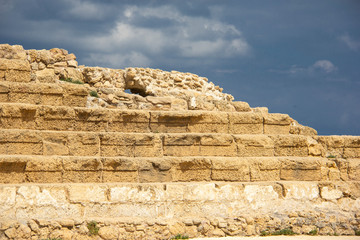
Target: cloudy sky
{"type": "Point", "coordinates": [297, 57]}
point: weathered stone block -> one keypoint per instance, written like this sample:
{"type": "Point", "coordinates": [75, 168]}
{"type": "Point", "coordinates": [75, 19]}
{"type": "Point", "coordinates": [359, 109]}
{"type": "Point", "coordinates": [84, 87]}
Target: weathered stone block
{"type": "Point", "coordinates": [193, 169]}
{"type": "Point", "coordinates": [330, 193]}
{"type": "Point", "coordinates": [129, 121]}
{"type": "Point", "coordinates": [301, 169]}
{"type": "Point", "coordinates": [217, 145]}
{"type": "Point", "coordinates": [230, 169]}
{"type": "Point", "coordinates": [86, 144]}
{"type": "Point", "coordinates": [208, 122]}
{"type": "Point", "coordinates": [301, 191]}
{"type": "Point", "coordinates": [264, 168]}
{"type": "Point", "coordinates": [44, 177]}
{"type": "Point", "coordinates": [291, 145]}
{"type": "Point", "coordinates": [169, 121]}
{"type": "Point", "coordinates": [245, 123]}
{"type": "Point", "coordinates": [259, 196]}
{"type": "Point", "coordinates": [46, 75]}
{"type": "Point", "coordinates": [84, 193]}
{"type": "Point", "coordinates": [17, 76]}
{"type": "Point", "coordinates": [121, 176]}
{"type": "Point", "coordinates": [354, 169]}
{"type": "Point", "coordinates": [254, 145]}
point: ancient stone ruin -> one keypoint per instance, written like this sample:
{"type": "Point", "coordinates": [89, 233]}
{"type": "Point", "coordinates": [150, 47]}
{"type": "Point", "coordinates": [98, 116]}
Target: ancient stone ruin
{"type": "Point", "coordinates": [99, 153]}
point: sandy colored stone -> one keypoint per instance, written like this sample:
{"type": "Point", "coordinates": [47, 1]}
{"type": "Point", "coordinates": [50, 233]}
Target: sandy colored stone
{"type": "Point", "coordinates": [108, 233]}
{"type": "Point", "coordinates": [330, 193]}
{"type": "Point", "coordinates": [83, 193]}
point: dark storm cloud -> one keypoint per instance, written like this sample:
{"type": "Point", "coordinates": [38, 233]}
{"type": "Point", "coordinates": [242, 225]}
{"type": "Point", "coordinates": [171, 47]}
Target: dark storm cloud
{"type": "Point", "coordinates": [296, 57]}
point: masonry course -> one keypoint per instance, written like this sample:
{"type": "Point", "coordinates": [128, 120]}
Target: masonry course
{"type": "Point", "coordinates": [172, 155]}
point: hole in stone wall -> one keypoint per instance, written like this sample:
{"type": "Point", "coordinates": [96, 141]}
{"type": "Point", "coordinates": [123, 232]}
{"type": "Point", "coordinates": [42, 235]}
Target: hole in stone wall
{"type": "Point", "coordinates": [138, 91]}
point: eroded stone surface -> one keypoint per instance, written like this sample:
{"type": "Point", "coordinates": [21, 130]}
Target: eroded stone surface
{"type": "Point", "coordinates": [142, 153]}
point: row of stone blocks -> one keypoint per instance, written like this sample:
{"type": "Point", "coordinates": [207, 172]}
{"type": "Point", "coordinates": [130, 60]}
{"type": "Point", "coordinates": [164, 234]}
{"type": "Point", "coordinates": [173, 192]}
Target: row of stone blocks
{"type": "Point", "coordinates": [186, 208]}
{"type": "Point", "coordinates": [112, 144]}
{"type": "Point", "coordinates": [45, 117]}
{"type": "Point", "coordinates": [44, 93]}
{"type": "Point", "coordinates": [60, 169]}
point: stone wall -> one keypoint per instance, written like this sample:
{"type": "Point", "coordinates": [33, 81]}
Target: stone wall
{"type": "Point", "coordinates": [241, 209]}
{"type": "Point", "coordinates": [175, 156]}
{"type": "Point", "coordinates": [154, 88]}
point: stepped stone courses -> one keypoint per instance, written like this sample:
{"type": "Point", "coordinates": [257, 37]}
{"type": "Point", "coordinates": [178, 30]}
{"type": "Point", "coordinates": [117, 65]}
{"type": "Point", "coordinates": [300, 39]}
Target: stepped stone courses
{"type": "Point", "coordinates": [175, 156]}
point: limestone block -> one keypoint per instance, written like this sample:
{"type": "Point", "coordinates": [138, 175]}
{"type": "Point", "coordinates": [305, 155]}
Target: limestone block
{"type": "Point", "coordinates": [55, 144]}
{"type": "Point", "coordinates": [245, 123]}
{"type": "Point", "coordinates": [354, 169]}
{"type": "Point", "coordinates": [193, 169]}
{"type": "Point", "coordinates": [277, 119]}
{"type": "Point", "coordinates": [177, 228]}
{"type": "Point", "coordinates": [38, 164]}
{"type": "Point", "coordinates": [178, 104]}
{"type": "Point", "coordinates": [7, 196]}
{"type": "Point", "coordinates": [122, 176]}
{"type": "Point", "coordinates": [44, 177]}
{"type": "Point", "coordinates": [264, 168]}
{"type": "Point", "coordinates": [84, 144]}
{"type": "Point", "coordinates": [351, 153]}
{"type": "Point", "coordinates": [56, 113]}
{"type": "Point", "coordinates": [159, 100]}
{"type": "Point", "coordinates": [17, 76]}
{"type": "Point", "coordinates": [14, 64]}
{"type": "Point", "coordinates": [130, 145]}
{"type": "Point", "coordinates": [200, 192]}
{"type": "Point", "coordinates": [12, 52]}
{"type": "Point", "coordinates": [72, 63]}
{"type": "Point", "coordinates": [145, 194]}
{"type": "Point", "coordinates": [334, 145]}
{"type": "Point", "coordinates": [74, 73]}
{"type": "Point", "coordinates": [296, 128]}
{"type": "Point", "coordinates": [301, 191]}
{"type": "Point", "coordinates": [24, 93]}
{"type": "Point", "coordinates": [301, 169]}
{"type": "Point", "coordinates": [254, 145]}
{"type": "Point", "coordinates": [263, 110]}
{"type": "Point", "coordinates": [91, 119]}
{"type": "Point", "coordinates": [259, 196]}
{"type": "Point", "coordinates": [82, 164]}
{"type": "Point", "coordinates": [74, 89]}
{"type": "Point", "coordinates": [352, 147]}
{"type": "Point", "coordinates": [36, 196]}
{"type": "Point", "coordinates": [217, 145]}
{"type": "Point", "coordinates": [230, 169]}
{"type": "Point", "coordinates": [181, 139]}
{"type": "Point", "coordinates": [70, 56]}
{"type": "Point", "coordinates": [208, 122]}
{"type": "Point", "coordinates": [181, 145]}
{"type": "Point", "coordinates": [82, 170]}
{"type": "Point", "coordinates": [20, 142]}
{"type": "Point", "coordinates": [277, 123]}
{"type": "Point", "coordinates": [315, 148]}
{"type": "Point", "coordinates": [241, 106]}
{"type": "Point", "coordinates": [45, 57]}
{"type": "Point", "coordinates": [330, 193]}
{"type": "Point", "coordinates": [83, 193]}
{"type": "Point", "coordinates": [169, 121]}
{"type": "Point", "coordinates": [291, 145]}
{"type": "Point", "coordinates": [129, 121]}
{"type": "Point", "coordinates": [108, 233]}
{"type": "Point", "coordinates": [46, 75]}
{"type": "Point", "coordinates": [157, 169]}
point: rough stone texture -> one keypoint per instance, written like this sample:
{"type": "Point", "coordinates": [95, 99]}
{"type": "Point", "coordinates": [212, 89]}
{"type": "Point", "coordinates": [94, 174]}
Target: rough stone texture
{"type": "Point", "coordinates": [174, 156]}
